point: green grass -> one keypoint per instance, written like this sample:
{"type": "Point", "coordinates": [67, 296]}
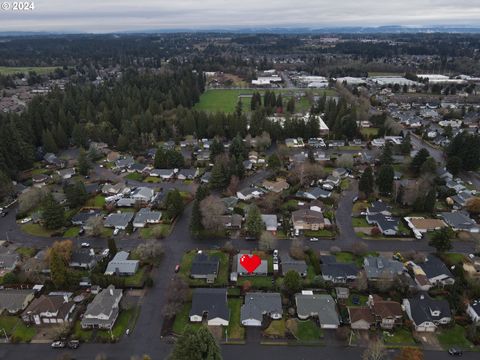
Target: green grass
{"type": "Point", "coordinates": [350, 148]}
{"type": "Point", "coordinates": [225, 100]}
{"type": "Point", "coordinates": [106, 232]}
{"type": "Point", "coordinates": [26, 252]}
{"type": "Point", "coordinates": [71, 232]}
{"type": "Point", "coordinates": [235, 329]}
{"type": "Point", "coordinates": [306, 330]}
{"type": "Point", "coordinates": [369, 132]}
{"type": "Point", "coordinates": [319, 233]}
{"type": "Point", "coordinates": [258, 282]}
{"type": "Point", "coordinates": [380, 73]}
{"type": "Point", "coordinates": [454, 337]}
{"type": "Point", "coordinates": [10, 70]}
{"type": "Point", "coordinates": [453, 258]}
{"type": "Point", "coordinates": [362, 300]}
{"type": "Point", "coordinates": [138, 279]}
{"type": "Point", "coordinates": [360, 222]}
{"type": "Point", "coordinates": [36, 230]}
{"type": "Point", "coordinates": [134, 176]}
{"type": "Point", "coordinates": [344, 184]}
{"type": "Point", "coordinates": [16, 328]}
{"type": "Point", "coordinates": [186, 264]}
{"type": "Point", "coordinates": [289, 205]}
{"type": "Point", "coordinates": [345, 257]}
{"type": "Point", "coordinates": [182, 319]}
{"type": "Point", "coordinates": [400, 336]}
{"type": "Point", "coordinates": [148, 232]}
{"type": "Point", "coordinates": [152, 179]}
{"type": "Point", "coordinates": [96, 202]}
{"type": "Point", "coordinates": [277, 328]}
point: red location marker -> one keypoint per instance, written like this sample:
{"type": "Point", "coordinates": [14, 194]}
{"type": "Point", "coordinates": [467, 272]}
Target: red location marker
{"type": "Point", "coordinates": [250, 262]}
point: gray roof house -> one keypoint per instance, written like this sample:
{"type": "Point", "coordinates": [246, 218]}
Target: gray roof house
{"type": "Point", "coordinates": [81, 217]}
{"type": "Point", "coordinates": [270, 221]}
{"type": "Point", "coordinates": [259, 304]}
{"type": "Point", "coordinates": [387, 225]}
{"type": "Point", "coordinates": [187, 174]}
{"type": "Point", "coordinates": [120, 265]}
{"type": "Point", "coordinates": [211, 303]}
{"type": "Point", "coordinates": [339, 272]}
{"type": "Point", "coordinates": [205, 267]}
{"type": "Point", "coordinates": [146, 216]}
{"type": "Point", "coordinates": [118, 220]}
{"type": "Point", "coordinates": [313, 193]}
{"type": "Point", "coordinates": [239, 270]}
{"type": "Point", "coordinates": [318, 305]}
{"type": "Point", "coordinates": [379, 207]}
{"type": "Point", "coordinates": [382, 268]}
{"type": "Point", "coordinates": [9, 261]}
{"type": "Point", "coordinates": [103, 311]}
{"type": "Point", "coordinates": [83, 258]}
{"type": "Point", "coordinates": [427, 313]}
{"type": "Point", "coordinates": [143, 194]}
{"type": "Point", "coordinates": [460, 221]}
{"type": "Point", "coordinates": [163, 173]}
{"type": "Point", "coordinates": [15, 300]}
{"type": "Point", "coordinates": [436, 271]}
{"type": "Point", "coordinates": [299, 266]}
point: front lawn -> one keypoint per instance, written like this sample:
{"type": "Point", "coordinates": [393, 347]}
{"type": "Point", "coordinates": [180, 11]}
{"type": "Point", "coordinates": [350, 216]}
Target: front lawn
{"type": "Point", "coordinates": [106, 232]}
{"type": "Point", "coordinates": [150, 232]}
{"type": "Point", "coordinates": [26, 252]}
{"type": "Point", "coordinates": [454, 337]}
{"type": "Point", "coordinates": [304, 330]}
{"type": "Point", "coordinates": [134, 176]}
{"type": "Point", "coordinates": [97, 202]}
{"type": "Point", "coordinates": [152, 179]}
{"type": "Point", "coordinates": [182, 319]}
{"type": "Point", "coordinates": [453, 258]}
{"type": "Point", "coordinates": [71, 232]}
{"type": "Point", "coordinates": [276, 329]}
{"type": "Point", "coordinates": [323, 233]}
{"type": "Point", "coordinates": [235, 329]}
{"type": "Point", "coordinates": [138, 279]}
{"type": "Point", "coordinates": [348, 257]}
{"type": "Point", "coordinates": [369, 132]}
{"type": "Point", "coordinates": [400, 336]}
{"type": "Point", "coordinates": [16, 329]}
{"type": "Point", "coordinates": [186, 264]}
{"type": "Point", "coordinates": [36, 230]}
{"type": "Point", "coordinates": [360, 222]}
{"type": "Point", "coordinates": [258, 282]}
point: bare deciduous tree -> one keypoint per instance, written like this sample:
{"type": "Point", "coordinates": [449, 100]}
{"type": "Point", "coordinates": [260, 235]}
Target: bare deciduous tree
{"type": "Point", "coordinates": [375, 351]}
{"type": "Point", "coordinates": [212, 208]}
{"type": "Point", "coordinates": [94, 225]}
{"type": "Point", "coordinates": [296, 249]}
{"type": "Point", "coordinates": [31, 198]}
{"type": "Point", "coordinates": [267, 241]}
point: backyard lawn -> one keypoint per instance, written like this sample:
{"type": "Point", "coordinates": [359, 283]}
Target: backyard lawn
{"type": "Point", "coordinates": [96, 202]}
{"type": "Point", "coordinates": [305, 330]}
{"type": "Point", "coordinates": [453, 258]}
{"type": "Point", "coordinates": [16, 328]}
{"type": "Point", "coordinates": [369, 132]}
{"type": "Point", "coordinates": [454, 337]}
{"type": "Point", "coordinates": [138, 279]}
{"type": "Point", "coordinates": [258, 282]}
{"type": "Point", "coordinates": [134, 176]}
{"type": "Point", "coordinates": [360, 222]}
{"type": "Point", "coordinates": [235, 329]}
{"type": "Point", "coordinates": [186, 264]}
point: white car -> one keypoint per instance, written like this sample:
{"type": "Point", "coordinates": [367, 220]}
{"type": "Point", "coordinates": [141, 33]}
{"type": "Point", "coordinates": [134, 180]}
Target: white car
{"type": "Point", "coordinates": [106, 252]}
{"type": "Point", "coordinates": [314, 239]}
{"type": "Point", "coordinates": [26, 220]}
{"type": "Point", "coordinates": [116, 231]}
{"type": "Point", "coordinates": [85, 245]}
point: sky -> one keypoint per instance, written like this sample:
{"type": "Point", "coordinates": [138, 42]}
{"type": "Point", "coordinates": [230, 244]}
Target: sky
{"type": "Point", "coordinates": [103, 16]}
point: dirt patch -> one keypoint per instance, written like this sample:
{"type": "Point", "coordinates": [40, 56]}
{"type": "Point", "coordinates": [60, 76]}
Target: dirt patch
{"type": "Point", "coordinates": [428, 340]}
{"type": "Point", "coordinates": [47, 333]}
{"type": "Point", "coordinates": [216, 332]}
{"type": "Point", "coordinates": [363, 230]}
{"type": "Point", "coordinates": [136, 292]}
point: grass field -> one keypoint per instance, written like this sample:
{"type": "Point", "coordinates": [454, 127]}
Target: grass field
{"type": "Point", "coordinates": [186, 265]}
{"type": "Point", "coordinates": [17, 329]}
{"type": "Point", "coordinates": [97, 201]}
{"type": "Point", "coordinates": [304, 330]}
{"type": "Point", "coordinates": [225, 100]}
{"type": "Point", "coordinates": [7, 70]}
{"type": "Point", "coordinates": [36, 230]}
{"type": "Point", "coordinates": [26, 252]}
{"type": "Point", "coordinates": [454, 336]}
{"type": "Point", "coordinates": [400, 336]}
{"type": "Point", "coordinates": [149, 232]}
{"type": "Point", "coordinates": [72, 232]}
{"type": "Point", "coordinates": [276, 329]}
{"type": "Point", "coordinates": [134, 176]}
{"type": "Point", "coordinates": [369, 132]}
{"type": "Point", "coordinates": [182, 320]}
{"type": "Point", "coordinates": [235, 329]}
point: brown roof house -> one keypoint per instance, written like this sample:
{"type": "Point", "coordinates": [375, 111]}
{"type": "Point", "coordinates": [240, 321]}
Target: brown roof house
{"type": "Point", "coordinates": [55, 308]}
{"type": "Point", "coordinates": [306, 219]}
{"type": "Point", "coordinates": [276, 186]}
{"type": "Point", "coordinates": [361, 318]}
{"type": "Point", "coordinates": [388, 314]}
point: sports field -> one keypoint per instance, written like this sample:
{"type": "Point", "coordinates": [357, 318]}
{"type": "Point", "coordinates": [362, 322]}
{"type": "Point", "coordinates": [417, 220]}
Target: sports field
{"type": "Point", "coordinates": [9, 70]}
{"type": "Point", "coordinates": [225, 100]}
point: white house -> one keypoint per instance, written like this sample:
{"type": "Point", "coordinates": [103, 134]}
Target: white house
{"type": "Point", "coordinates": [473, 310]}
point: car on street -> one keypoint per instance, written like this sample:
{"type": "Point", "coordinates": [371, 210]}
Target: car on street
{"type": "Point", "coordinates": [25, 220]}
{"type": "Point", "coordinates": [85, 245]}
{"type": "Point", "coordinates": [313, 239]}
{"type": "Point", "coordinates": [116, 231]}
{"type": "Point", "coordinates": [81, 231]}
{"type": "Point", "coordinates": [177, 268]}
{"type": "Point", "coordinates": [73, 344]}
{"type": "Point", "coordinates": [455, 352]}
{"type": "Point", "coordinates": [355, 199]}
{"type": "Point", "coordinates": [106, 252]}
{"type": "Point", "coordinates": [4, 213]}
{"type": "Point", "coordinates": [58, 344]}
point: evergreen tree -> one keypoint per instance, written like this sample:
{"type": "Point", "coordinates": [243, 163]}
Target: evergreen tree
{"type": "Point", "coordinates": [291, 105]}
{"type": "Point", "coordinates": [83, 163]}
{"type": "Point", "coordinates": [406, 145]}
{"type": "Point", "coordinates": [49, 144]}
{"type": "Point", "coordinates": [216, 148]}
{"type": "Point", "coordinates": [53, 214]}
{"type": "Point", "coordinates": [292, 282]}
{"type": "Point", "coordinates": [454, 165]}
{"type": "Point", "coordinates": [366, 183]}
{"type": "Point", "coordinates": [112, 246]}
{"type": "Point", "coordinates": [58, 269]}
{"type": "Point", "coordinates": [430, 200]}
{"type": "Point", "coordinates": [76, 194]}
{"type": "Point", "coordinates": [441, 240]}
{"type": "Point", "coordinates": [196, 344]}
{"type": "Point", "coordinates": [218, 178]}
{"type": "Point", "coordinates": [173, 204]}
{"type": "Point", "coordinates": [254, 224]}
{"type": "Point", "coordinates": [418, 160]}
{"type": "Point", "coordinates": [385, 179]}
{"type": "Point", "coordinates": [386, 158]}
{"type": "Point", "coordinates": [196, 219]}
{"type": "Point", "coordinates": [274, 162]}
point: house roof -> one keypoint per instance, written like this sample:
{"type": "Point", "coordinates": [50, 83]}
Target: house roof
{"type": "Point", "coordinates": [434, 267]}
{"type": "Point", "coordinates": [204, 264]}
{"type": "Point", "coordinates": [210, 301]}
{"type": "Point", "coordinates": [458, 220]}
{"type": "Point", "coordinates": [385, 223]}
{"type": "Point", "coordinates": [422, 308]}
{"type": "Point", "coordinates": [8, 261]}
{"type": "Point", "coordinates": [270, 220]}
{"type": "Point", "coordinates": [339, 270]}
{"type": "Point", "coordinates": [118, 219]}
{"type": "Point", "coordinates": [308, 216]}
{"type": "Point", "coordinates": [143, 192]}
{"type": "Point", "coordinates": [50, 303]}
{"type": "Point", "coordinates": [315, 192]}
{"type": "Point", "coordinates": [162, 172]}
{"type": "Point", "coordinates": [13, 299]}
{"type": "Point", "coordinates": [121, 264]}
{"type": "Point", "coordinates": [257, 304]}
{"type": "Point", "coordinates": [429, 224]}
{"type": "Point", "coordinates": [103, 302]}
{"type": "Point", "coordinates": [300, 266]}
{"type": "Point", "coordinates": [357, 313]}
{"type": "Point", "coordinates": [318, 304]}
{"type": "Point", "coordinates": [237, 267]}
{"type": "Point", "coordinates": [83, 216]}
{"type": "Point", "coordinates": [386, 308]}
{"type": "Point", "coordinates": [380, 266]}
{"type": "Point", "coordinates": [82, 256]}
{"type": "Point", "coordinates": [378, 206]}
{"type": "Point", "coordinates": [145, 215]}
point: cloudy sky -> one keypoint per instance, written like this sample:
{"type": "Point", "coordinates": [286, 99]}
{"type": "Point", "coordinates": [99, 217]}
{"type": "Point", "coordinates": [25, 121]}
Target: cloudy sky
{"type": "Point", "coordinates": [135, 15]}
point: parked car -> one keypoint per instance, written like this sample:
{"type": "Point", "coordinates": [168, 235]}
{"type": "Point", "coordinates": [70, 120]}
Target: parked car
{"type": "Point", "coordinates": [355, 199]}
{"type": "Point", "coordinates": [313, 239]}
{"type": "Point", "coordinates": [85, 245]}
{"type": "Point", "coordinates": [58, 344]}
{"type": "Point", "coordinates": [106, 252]}
{"type": "Point", "coordinates": [116, 231]}
{"type": "Point", "coordinates": [73, 344]}
{"type": "Point", "coordinates": [177, 268]}
{"type": "Point", "coordinates": [25, 220]}
{"type": "Point", "coordinates": [455, 352]}
{"type": "Point", "coordinates": [81, 231]}
{"type": "Point", "coordinates": [4, 213]}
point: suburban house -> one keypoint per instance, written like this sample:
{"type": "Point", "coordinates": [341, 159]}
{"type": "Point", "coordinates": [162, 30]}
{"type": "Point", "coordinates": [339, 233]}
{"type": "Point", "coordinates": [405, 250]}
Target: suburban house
{"type": "Point", "coordinates": [299, 266]}
{"type": "Point", "coordinates": [270, 221]}
{"type": "Point", "coordinates": [239, 270]}
{"type": "Point", "coordinates": [382, 268]}
{"type": "Point", "coordinates": [232, 222]}
{"type": "Point", "coordinates": [124, 162]}
{"type": "Point", "coordinates": [66, 173]}
{"type": "Point", "coordinates": [339, 272]}
{"type": "Point", "coordinates": [379, 207]}
{"type": "Point", "coordinates": [426, 313]}
{"type": "Point", "coordinates": [187, 174]}
{"type": "Point", "coordinates": [146, 216]}
{"type": "Point", "coordinates": [258, 305]}
{"type": "Point", "coordinates": [114, 189]}
{"type": "Point", "coordinates": [8, 262]}
{"type": "Point", "coordinates": [387, 225]}
{"type": "Point", "coordinates": [473, 310]}
{"type": "Point", "coordinates": [250, 193]}
{"type": "Point", "coordinates": [306, 219]}
{"type": "Point", "coordinates": [138, 168]}
{"type": "Point", "coordinates": [276, 186]}
{"type": "Point", "coordinates": [437, 272]}
{"type": "Point", "coordinates": [313, 193]}
{"type": "Point", "coordinates": [387, 313]}
{"type": "Point", "coordinates": [81, 218]}
{"type": "Point", "coordinates": [423, 225]}
{"type": "Point", "coordinates": [204, 267]}
{"type": "Point", "coordinates": [142, 194]}
{"type": "Point", "coordinates": [15, 300]}
{"type": "Point", "coordinates": [460, 221]}
{"type": "Point", "coordinates": [83, 258]}
{"type": "Point", "coordinates": [317, 305]}
{"type": "Point", "coordinates": [361, 318]}
{"type": "Point", "coordinates": [118, 220]}
{"type": "Point", "coordinates": [120, 265]}
{"type": "Point", "coordinates": [210, 304]}
{"type": "Point", "coordinates": [164, 174]}
{"type": "Point", "coordinates": [103, 311]}
{"type": "Point", "coordinates": [54, 308]}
